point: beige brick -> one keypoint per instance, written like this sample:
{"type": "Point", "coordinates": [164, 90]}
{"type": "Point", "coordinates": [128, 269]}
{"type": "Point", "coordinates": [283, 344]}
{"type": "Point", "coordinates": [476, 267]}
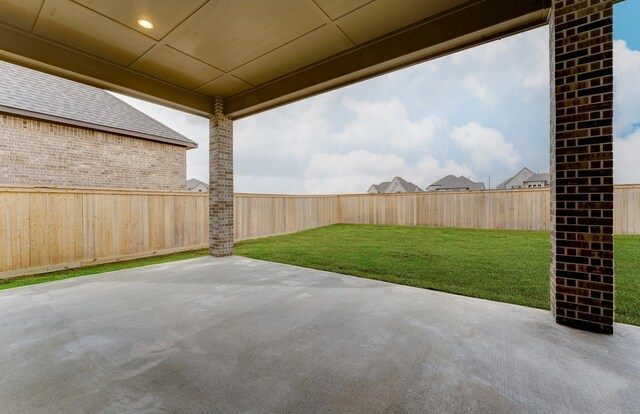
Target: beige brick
{"type": "Point", "coordinates": [38, 153]}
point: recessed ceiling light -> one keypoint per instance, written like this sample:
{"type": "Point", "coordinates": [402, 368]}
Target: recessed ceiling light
{"type": "Point", "coordinates": [145, 23]}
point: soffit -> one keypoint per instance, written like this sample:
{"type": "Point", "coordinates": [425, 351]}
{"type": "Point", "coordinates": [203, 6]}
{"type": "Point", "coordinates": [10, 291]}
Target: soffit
{"type": "Point", "coordinates": [239, 49]}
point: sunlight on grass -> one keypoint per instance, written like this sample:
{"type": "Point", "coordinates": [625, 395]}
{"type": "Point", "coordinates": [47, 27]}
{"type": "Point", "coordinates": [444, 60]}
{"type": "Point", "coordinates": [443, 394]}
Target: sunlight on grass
{"type": "Point", "coordinates": [501, 265]}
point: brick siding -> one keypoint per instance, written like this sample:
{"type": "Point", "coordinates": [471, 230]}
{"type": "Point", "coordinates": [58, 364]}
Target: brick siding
{"type": "Point", "coordinates": [582, 164]}
{"type": "Point", "coordinates": [38, 153]}
{"type": "Point", "coordinates": [220, 182]}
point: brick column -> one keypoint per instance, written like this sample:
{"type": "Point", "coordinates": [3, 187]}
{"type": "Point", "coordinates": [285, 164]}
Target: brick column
{"type": "Point", "coordinates": [220, 181]}
{"type": "Point", "coordinates": [582, 164]}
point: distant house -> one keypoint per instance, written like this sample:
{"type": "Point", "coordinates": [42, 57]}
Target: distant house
{"type": "Point", "coordinates": [197, 186]}
{"type": "Point", "coordinates": [538, 181]}
{"type": "Point", "coordinates": [525, 178]}
{"type": "Point", "coordinates": [453, 183]}
{"type": "Point", "coordinates": [59, 133]}
{"type": "Point", "coordinates": [397, 185]}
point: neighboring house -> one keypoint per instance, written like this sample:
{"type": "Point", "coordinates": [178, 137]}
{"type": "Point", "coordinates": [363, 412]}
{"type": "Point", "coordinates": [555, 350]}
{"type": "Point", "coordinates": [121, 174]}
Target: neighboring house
{"type": "Point", "coordinates": [538, 181]}
{"type": "Point", "coordinates": [59, 133]}
{"type": "Point", "coordinates": [397, 185]}
{"type": "Point", "coordinates": [453, 183]}
{"type": "Point", "coordinates": [525, 178]}
{"type": "Point", "coordinates": [197, 186]}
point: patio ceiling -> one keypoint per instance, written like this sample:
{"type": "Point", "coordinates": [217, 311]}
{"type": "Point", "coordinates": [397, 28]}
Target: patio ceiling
{"type": "Point", "coordinates": [257, 54]}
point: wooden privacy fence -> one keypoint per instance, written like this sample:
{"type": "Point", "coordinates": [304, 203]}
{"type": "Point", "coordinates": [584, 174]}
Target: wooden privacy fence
{"type": "Point", "coordinates": [44, 229]}
{"type": "Point", "coordinates": [516, 210]}
{"type": "Point", "coordinates": [47, 229]}
{"type": "Point", "coordinates": [259, 215]}
{"type": "Point", "coordinates": [524, 209]}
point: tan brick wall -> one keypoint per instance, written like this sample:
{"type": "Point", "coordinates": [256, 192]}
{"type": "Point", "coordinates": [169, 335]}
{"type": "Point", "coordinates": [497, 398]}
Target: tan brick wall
{"type": "Point", "coordinates": [220, 181]}
{"type": "Point", "coordinates": [37, 153]}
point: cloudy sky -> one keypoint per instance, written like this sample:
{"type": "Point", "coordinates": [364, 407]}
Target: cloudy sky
{"type": "Point", "coordinates": [483, 113]}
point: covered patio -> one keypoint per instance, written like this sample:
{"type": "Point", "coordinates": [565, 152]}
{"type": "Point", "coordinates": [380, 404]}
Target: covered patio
{"type": "Point", "coordinates": [240, 335]}
{"type": "Point", "coordinates": [230, 59]}
{"type": "Point", "coordinates": [228, 334]}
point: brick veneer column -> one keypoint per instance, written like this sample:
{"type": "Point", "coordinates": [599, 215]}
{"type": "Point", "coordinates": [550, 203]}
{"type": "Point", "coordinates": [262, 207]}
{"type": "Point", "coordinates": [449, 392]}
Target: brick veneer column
{"type": "Point", "coordinates": [582, 164]}
{"type": "Point", "coordinates": [220, 181]}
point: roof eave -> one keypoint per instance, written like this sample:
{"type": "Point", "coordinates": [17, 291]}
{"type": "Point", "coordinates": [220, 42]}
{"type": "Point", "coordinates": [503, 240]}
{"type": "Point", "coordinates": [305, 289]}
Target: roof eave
{"type": "Point", "coordinates": [88, 125]}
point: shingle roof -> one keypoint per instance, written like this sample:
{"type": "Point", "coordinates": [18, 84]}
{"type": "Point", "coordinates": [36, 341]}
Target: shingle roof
{"type": "Point", "coordinates": [382, 187]}
{"type": "Point", "coordinates": [409, 187]}
{"type": "Point", "coordinates": [193, 182]}
{"type": "Point", "coordinates": [452, 182]}
{"type": "Point", "coordinates": [503, 185]}
{"type": "Point", "coordinates": [38, 95]}
{"type": "Point", "coordinates": [539, 177]}
{"type": "Point", "coordinates": [444, 180]}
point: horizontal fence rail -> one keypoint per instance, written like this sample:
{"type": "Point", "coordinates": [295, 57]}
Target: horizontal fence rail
{"type": "Point", "coordinates": [515, 210]}
{"type": "Point", "coordinates": [260, 215]}
{"type": "Point", "coordinates": [45, 229]}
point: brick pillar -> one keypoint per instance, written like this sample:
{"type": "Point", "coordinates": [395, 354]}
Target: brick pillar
{"type": "Point", "coordinates": [582, 164]}
{"type": "Point", "coordinates": [220, 181]}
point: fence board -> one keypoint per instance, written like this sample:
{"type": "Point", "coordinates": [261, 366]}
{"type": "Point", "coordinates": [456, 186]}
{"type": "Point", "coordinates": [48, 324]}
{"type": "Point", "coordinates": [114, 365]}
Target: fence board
{"type": "Point", "coordinates": [43, 229]}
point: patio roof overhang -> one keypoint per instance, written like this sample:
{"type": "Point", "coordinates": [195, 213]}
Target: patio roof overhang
{"type": "Point", "coordinates": [255, 54]}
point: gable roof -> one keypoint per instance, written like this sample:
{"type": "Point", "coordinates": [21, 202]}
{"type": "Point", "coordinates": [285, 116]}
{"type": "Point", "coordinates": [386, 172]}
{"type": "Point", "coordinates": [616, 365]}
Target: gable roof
{"type": "Point", "coordinates": [194, 182]}
{"type": "Point", "coordinates": [503, 185]}
{"type": "Point", "coordinates": [33, 94]}
{"type": "Point", "coordinates": [382, 187]}
{"type": "Point", "coordinates": [443, 180]}
{"type": "Point", "coordinates": [539, 177]}
{"type": "Point", "coordinates": [452, 182]}
{"type": "Point", "coordinates": [408, 187]}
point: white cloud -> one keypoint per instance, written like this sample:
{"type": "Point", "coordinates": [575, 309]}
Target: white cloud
{"type": "Point", "coordinates": [402, 124]}
{"type": "Point", "coordinates": [626, 153]}
{"type": "Point", "coordinates": [485, 146]}
{"type": "Point", "coordinates": [355, 171]}
{"type": "Point", "coordinates": [479, 89]}
{"type": "Point", "coordinates": [246, 183]}
{"type": "Point", "coordinates": [626, 78]}
{"type": "Point", "coordinates": [288, 134]}
{"type": "Point", "coordinates": [382, 125]}
{"type": "Point", "coordinates": [536, 72]}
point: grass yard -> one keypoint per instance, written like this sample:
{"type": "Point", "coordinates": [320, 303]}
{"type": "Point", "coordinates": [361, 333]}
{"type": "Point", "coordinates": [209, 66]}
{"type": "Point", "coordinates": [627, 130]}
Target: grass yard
{"type": "Point", "coordinates": [500, 265]}
{"type": "Point", "coordinates": [92, 270]}
{"type": "Point", "coordinates": [505, 266]}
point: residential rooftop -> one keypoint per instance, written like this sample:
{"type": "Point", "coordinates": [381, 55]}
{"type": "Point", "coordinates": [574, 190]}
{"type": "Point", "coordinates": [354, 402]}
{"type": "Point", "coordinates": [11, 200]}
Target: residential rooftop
{"type": "Point", "coordinates": [29, 93]}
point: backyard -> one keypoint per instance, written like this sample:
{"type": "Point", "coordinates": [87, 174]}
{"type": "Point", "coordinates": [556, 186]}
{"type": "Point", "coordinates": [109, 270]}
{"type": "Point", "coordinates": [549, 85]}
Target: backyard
{"type": "Point", "coordinates": [500, 265]}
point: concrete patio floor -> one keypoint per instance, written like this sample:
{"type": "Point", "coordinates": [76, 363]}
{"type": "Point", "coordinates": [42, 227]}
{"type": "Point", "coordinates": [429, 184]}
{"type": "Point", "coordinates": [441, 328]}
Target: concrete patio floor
{"type": "Point", "coordinates": [240, 335]}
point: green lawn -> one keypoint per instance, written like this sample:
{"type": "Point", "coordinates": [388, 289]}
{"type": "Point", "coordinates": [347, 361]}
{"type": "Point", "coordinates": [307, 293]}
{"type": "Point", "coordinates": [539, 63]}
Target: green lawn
{"type": "Point", "coordinates": [505, 266]}
{"type": "Point", "coordinates": [92, 270]}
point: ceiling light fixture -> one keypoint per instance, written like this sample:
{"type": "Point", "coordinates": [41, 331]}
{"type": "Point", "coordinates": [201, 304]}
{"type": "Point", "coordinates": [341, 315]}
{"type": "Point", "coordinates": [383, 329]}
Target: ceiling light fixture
{"type": "Point", "coordinates": [145, 23]}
